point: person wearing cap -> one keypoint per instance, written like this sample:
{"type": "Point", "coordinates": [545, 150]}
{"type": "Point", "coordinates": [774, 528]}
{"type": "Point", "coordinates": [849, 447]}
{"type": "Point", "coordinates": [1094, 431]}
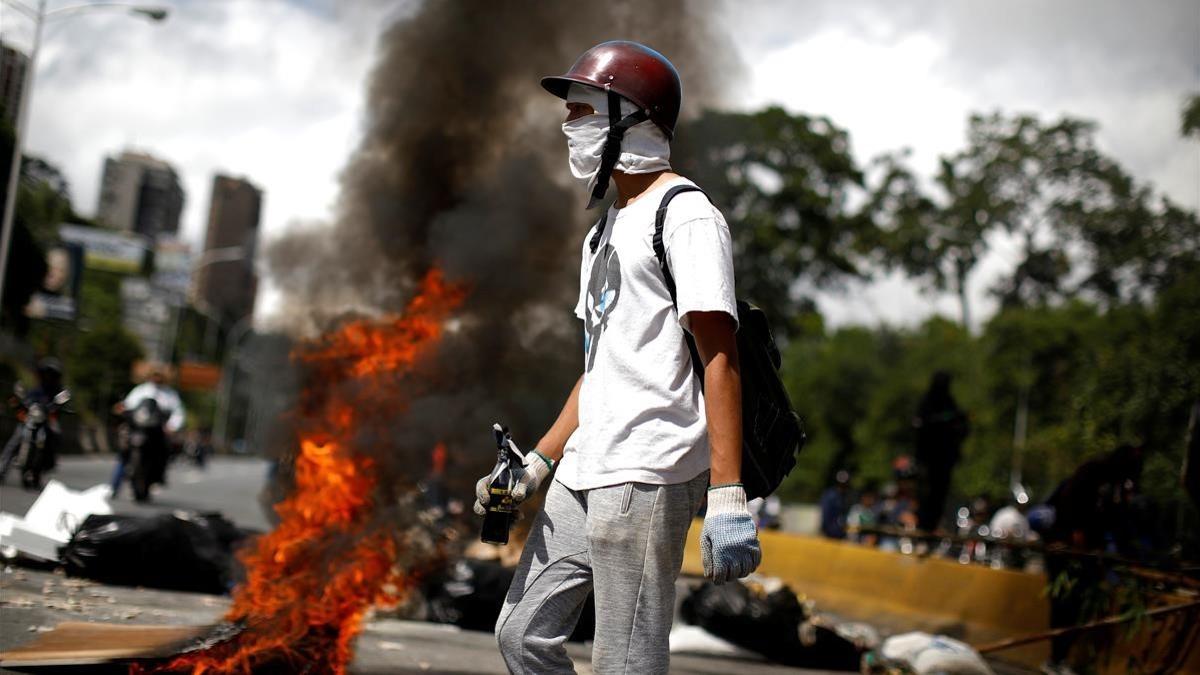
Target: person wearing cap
{"type": "Point", "coordinates": [641, 441]}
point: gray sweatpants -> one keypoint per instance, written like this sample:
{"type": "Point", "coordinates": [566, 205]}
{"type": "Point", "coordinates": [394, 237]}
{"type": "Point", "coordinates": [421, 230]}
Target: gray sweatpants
{"type": "Point", "coordinates": [626, 543]}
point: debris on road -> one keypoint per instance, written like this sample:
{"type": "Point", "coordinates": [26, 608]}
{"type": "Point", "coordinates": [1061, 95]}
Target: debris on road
{"type": "Point", "coordinates": [470, 594]}
{"type": "Point", "coordinates": [74, 643]}
{"type": "Point", "coordinates": [687, 639]}
{"type": "Point", "coordinates": [49, 522]}
{"type": "Point", "coordinates": [767, 618]}
{"type": "Point", "coordinates": [925, 654]}
{"type": "Point", "coordinates": [172, 551]}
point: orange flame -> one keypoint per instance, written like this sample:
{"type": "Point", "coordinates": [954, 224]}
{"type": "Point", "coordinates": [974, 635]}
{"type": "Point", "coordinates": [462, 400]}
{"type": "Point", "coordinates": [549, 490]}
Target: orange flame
{"type": "Point", "coordinates": [311, 580]}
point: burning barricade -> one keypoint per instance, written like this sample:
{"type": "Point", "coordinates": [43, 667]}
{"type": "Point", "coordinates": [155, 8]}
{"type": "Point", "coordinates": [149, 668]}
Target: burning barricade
{"type": "Point", "coordinates": [346, 540]}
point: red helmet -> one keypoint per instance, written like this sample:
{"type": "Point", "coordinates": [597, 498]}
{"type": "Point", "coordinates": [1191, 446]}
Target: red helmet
{"type": "Point", "coordinates": [632, 70]}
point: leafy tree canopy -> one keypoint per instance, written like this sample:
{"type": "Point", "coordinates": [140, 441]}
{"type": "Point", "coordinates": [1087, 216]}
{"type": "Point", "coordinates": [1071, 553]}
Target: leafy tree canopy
{"type": "Point", "coordinates": [785, 183]}
{"type": "Point", "coordinates": [1086, 227]}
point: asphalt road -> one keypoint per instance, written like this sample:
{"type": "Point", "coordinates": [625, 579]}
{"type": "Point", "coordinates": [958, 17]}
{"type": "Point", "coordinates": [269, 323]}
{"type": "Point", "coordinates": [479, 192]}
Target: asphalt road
{"type": "Point", "coordinates": [34, 601]}
{"type": "Point", "coordinates": [229, 485]}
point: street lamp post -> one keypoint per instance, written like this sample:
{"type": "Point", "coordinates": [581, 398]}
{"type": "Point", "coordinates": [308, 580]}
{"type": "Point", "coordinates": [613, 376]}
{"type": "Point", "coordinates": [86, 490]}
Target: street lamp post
{"type": "Point", "coordinates": [39, 17]}
{"type": "Point", "coordinates": [228, 373]}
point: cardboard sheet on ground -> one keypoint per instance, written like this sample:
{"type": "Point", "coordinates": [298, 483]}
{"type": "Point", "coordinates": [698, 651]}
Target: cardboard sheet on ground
{"type": "Point", "coordinates": [74, 643]}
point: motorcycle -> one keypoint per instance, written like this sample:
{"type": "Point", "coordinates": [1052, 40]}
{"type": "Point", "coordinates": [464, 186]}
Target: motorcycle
{"type": "Point", "coordinates": [38, 420]}
{"type": "Point", "coordinates": [147, 445]}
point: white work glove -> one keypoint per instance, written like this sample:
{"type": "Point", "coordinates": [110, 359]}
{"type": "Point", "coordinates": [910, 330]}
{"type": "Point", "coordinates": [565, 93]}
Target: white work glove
{"type": "Point", "coordinates": [729, 542]}
{"type": "Point", "coordinates": [528, 477]}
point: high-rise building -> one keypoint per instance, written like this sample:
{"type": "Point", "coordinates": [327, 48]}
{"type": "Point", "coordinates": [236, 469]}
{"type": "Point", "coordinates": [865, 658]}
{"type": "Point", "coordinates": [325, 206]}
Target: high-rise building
{"type": "Point", "coordinates": [228, 287]}
{"type": "Point", "coordinates": [13, 65]}
{"type": "Point", "coordinates": [141, 194]}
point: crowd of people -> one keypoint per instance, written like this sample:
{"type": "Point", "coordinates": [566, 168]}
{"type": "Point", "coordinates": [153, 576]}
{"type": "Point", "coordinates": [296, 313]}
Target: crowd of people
{"type": "Point", "coordinates": [1092, 518]}
{"type": "Point", "coordinates": [1098, 507]}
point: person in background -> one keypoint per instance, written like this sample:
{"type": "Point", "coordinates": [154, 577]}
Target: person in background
{"type": "Point", "coordinates": [155, 387]}
{"type": "Point", "coordinates": [50, 383]}
{"type": "Point", "coordinates": [1085, 506]}
{"type": "Point", "coordinates": [941, 427]}
{"type": "Point", "coordinates": [898, 510]}
{"type": "Point", "coordinates": [766, 512]}
{"type": "Point", "coordinates": [864, 514]}
{"type": "Point", "coordinates": [834, 505]}
{"type": "Point", "coordinates": [1189, 476]}
{"type": "Point", "coordinates": [1010, 523]}
{"type": "Point", "coordinates": [1136, 526]}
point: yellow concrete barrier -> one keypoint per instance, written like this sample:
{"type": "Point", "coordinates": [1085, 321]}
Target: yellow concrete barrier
{"type": "Point", "coordinates": [902, 592]}
{"type": "Point", "coordinates": [973, 603]}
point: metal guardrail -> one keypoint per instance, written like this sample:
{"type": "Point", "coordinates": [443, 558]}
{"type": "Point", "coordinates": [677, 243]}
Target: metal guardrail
{"type": "Point", "coordinates": [1182, 573]}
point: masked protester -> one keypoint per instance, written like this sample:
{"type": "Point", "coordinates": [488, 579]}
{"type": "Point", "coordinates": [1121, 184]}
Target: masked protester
{"type": "Point", "coordinates": [641, 440]}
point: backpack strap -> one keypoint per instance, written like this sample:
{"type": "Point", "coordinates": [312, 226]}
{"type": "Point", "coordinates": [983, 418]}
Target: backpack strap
{"type": "Point", "coordinates": [660, 252]}
{"type": "Point", "coordinates": [660, 249]}
{"type": "Point", "coordinates": [600, 225]}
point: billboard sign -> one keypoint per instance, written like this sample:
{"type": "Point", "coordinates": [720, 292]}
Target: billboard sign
{"type": "Point", "coordinates": [107, 250]}
{"type": "Point", "coordinates": [58, 295]}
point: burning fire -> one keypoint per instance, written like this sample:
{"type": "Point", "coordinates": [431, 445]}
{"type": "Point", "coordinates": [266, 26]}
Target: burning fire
{"type": "Point", "coordinates": [310, 581]}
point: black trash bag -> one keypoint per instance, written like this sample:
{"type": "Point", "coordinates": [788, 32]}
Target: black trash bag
{"type": "Point", "coordinates": [774, 625]}
{"type": "Point", "coordinates": [173, 551]}
{"type": "Point", "coordinates": [470, 594]}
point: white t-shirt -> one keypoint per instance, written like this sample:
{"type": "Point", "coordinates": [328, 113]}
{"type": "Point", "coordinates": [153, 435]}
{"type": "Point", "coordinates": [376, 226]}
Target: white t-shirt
{"type": "Point", "coordinates": [166, 398]}
{"type": "Point", "coordinates": [641, 409]}
{"type": "Point", "coordinates": [1009, 523]}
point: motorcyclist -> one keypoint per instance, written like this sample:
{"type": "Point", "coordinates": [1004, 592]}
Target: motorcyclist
{"type": "Point", "coordinates": [169, 403]}
{"type": "Point", "coordinates": [50, 379]}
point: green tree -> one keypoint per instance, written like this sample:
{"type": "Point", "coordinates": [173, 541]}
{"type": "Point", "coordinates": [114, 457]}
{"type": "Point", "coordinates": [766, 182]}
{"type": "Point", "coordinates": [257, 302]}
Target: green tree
{"type": "Point", "coordinates": [1190, 119]}
{"type": "Point", "coordinates": [784, 182]}
{"type": "Point", "coordinates": [941, 238]}
{"type": "Point", "coordinates": [1086, 227]}
{"type": "Point", "coordinates": [1094, 374]}
{"type": "Point", "coordinates": [830, 379]}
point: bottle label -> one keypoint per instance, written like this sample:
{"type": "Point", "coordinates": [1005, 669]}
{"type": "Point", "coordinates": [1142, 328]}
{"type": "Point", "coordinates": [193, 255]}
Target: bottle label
{"type": "Point", "coordinates": [501, 499]}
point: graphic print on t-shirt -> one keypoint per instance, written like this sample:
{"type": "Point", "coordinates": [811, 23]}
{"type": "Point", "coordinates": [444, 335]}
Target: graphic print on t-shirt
{"type": "Point", "coordinates": [604, 289]}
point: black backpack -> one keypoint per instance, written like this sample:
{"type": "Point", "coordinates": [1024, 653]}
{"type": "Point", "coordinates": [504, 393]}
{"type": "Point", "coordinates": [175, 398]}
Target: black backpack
{"type": "Point", "coordinates": [772, 433]}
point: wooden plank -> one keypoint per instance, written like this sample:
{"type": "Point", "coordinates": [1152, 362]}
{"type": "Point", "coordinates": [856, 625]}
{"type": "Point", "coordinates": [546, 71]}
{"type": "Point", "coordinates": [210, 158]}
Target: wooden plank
{"type": "Point", "coordinates": [74, 643]}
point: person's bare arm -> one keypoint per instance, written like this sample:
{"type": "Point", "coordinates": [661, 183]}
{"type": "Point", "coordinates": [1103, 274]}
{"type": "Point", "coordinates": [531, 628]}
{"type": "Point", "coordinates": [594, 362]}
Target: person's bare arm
{"type": "Point", "coordinates": [717, 343]}
{"type": "Point", "coordinates": [555, 440]}
{"type": "Point", "coordinates": [539, 461]}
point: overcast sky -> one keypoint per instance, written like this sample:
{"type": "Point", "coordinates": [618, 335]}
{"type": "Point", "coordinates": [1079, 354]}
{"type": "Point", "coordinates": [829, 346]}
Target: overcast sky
{"type": "Point", "coordinates": [273, 90]}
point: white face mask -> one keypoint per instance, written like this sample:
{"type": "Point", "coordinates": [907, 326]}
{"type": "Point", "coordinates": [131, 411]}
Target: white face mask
{"type": "Point", "coordinates": [645, 148]}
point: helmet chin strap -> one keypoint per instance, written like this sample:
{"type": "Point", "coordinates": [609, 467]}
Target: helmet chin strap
{"type": "Point", "coordinates": [612, 146]}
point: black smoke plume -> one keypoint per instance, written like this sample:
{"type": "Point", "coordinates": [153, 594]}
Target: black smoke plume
{"type": "Point", "coordinates": [462, 166]}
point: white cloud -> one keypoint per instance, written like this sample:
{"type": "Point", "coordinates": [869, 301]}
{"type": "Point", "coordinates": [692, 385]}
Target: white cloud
{"type": "Point", "coordinates": [887, 95]}
{"type": "Point", "coordinates": [273, 90]}
{"type": "Point", "coordinates": [265, 89]}
{"type": "Point", "coordinates": [908, 74]}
